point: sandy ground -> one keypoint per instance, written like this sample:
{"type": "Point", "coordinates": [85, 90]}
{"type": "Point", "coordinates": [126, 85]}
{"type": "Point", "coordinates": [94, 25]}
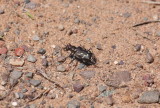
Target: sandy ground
{"type": "Point", "coordinates": [105, 26]}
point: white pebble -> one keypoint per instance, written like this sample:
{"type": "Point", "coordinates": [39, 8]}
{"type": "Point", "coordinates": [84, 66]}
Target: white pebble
{"type": "Point", "coordinates": [14, 103]}
{"type": "Point", "coordinates": [116, 62]}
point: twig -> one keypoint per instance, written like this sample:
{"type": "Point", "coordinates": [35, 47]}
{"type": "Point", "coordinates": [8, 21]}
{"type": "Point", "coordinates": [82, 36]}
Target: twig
{"type": "Point", "coordinates": [40, 95]}
{"type": "Point", "coordinates": [152, 2]}
{"type": "Point", "coordinates": [144, 23]}
{"type": "Point", "coordinates": [44, 75]}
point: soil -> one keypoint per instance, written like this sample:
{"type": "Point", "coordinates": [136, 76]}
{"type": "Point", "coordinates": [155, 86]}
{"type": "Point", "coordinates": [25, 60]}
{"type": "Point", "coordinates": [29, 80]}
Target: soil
{"type": "Point", "coordinates": [128, 56]}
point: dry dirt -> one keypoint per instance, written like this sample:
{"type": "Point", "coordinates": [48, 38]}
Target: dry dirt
{"type": "Point", "coordinates": [105, 26]}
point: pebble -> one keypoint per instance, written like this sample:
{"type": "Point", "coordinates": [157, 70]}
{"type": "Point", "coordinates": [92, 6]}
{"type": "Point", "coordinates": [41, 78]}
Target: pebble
{"type": "Point", "coordinates": [31, 5]}
{"type": "Point", "coordinates": [126, 15]}
{"type": "Point", "coordinates": [139, 65]}
{"type": "Point", "coordinates": [78, 87]}
{"type": "Point", "coordinates": [31, 58]}
{"type": "Point", "coordinates": [16, 62]}
{"type": "Point", "coordinates": [61, 59]}
{"type": "Point", "coordinates": [1, 11]}
{"type": "Point", "coordinates": [99, 46]}
{"type": "Point", "coordinates": [16, 74]}
{"type": "Point", "coordinates": [32, 106]}
{"type": "Point", "coordinates": [27, 1]}
{"type": "Point", "coordinates": [149, 57]}
{"type": "Point", "coordinates": [61, 68]}
{"type": "Point", "coordinates": [81, 66]}
{"type": "Point", "coordinates": [36, 38]}
{"type": "Point", "coordinates": [118, 78]}
{"type": "Point", "coordinates": [158, 33]}
{"type": "Point", "coordinates": [17, 32]}
{"type": "Point", "coordinates": [87, 74]}
{"type": "Point", "coordinates": [3, 50]}
{"type": "Point", "coordinates": [106, 93]}
{"type": "Point", "coordinates": [109, 100]}
{"type": "Point", "coordinates": [41, 51]}
{"type": "Point", "coordinates": [73, 104]}
{"type": "Point", "coordinates": [24, 90]}
{"type": "Point", "coordinates": [12, 46]}
{"type": "Point", "coordinates": [19, 51]}
{"type": "Point", "coordinates": [76, 21]}
{"type": "Point", "coordinates": [149, 97]}
{"type": "Point", "coordinates": [137, 47]}
{"type": "Point", "coordinates": [45, 62]}
{"type": "Point", "coordinates": [13, 82]}
{"type": "Point", "coordinates": [61, 27]}
{"type": "Point", "coordinates": [57, 50]}
{"type": "Point", "coordinates": [29, 75]}
{"type": "Point", "coordinates": [14, 103]}
{"type": "Point", "coordinates": [35, 82]}
{"type": "Point", "coordinates": [102, 88]}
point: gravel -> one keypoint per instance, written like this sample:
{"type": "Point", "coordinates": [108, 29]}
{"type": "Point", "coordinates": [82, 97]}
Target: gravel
{"type": "Point", "coordinates": [35, 82]}
{"type": "Point", "coordinates": [29, 75]}
{"type": "Point", "coordinates": [31, 58]}
{"type": "Point", "coordinates": [41, 51]}
{"type": "Point", "coordinates": [87, 74]}
{"type": "Point", "coordinates": [36, 38]}
{"type": "Point", "coordinates": [61, 27]}
{"type": "Point", "coordinates": [16, 62]}
{"type": "Point", "coordinates": [149, 57]}
{"type": "Point", "coordinates": [137, 47]}
{"type": "Point", "coordinates": [73, 104]}
{"type": "Point", "coordinates": [78, 87]}
{"type": "Point", "coordinates": [61, 68]}
{"type": "Point", "coordinates": [1, 11]}
{"type": "Point", "coordinates": [16, 74]}
{"type": "Point", "coordinates": [149, 97]}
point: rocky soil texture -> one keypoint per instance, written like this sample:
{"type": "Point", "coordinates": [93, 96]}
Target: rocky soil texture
{"type": "Point", "coordinates": [124, 35]}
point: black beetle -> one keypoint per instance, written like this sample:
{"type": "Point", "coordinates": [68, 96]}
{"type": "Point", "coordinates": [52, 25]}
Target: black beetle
{"type": "Point", "coordinates": [81, 54]}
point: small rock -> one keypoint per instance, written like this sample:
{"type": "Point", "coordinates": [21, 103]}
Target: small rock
{"type": "Point", "coordinates": [99, 46]}
{"type": "Point", "coordinates": [57, 51]}
{"type": "Point", "coordinates": [127, 15]}
{"type": "Point", "coordinates": [19, 51]}
{"type": "Point", "coordinates": [76, 21]}
{"type": "Point", "coordinates": [106, 62]}
{"type": "Point", "coordinates": [102, 88]}
{"type": "Point", "coordinates": [78, 87]}
{"type": "Point", "coordinates": [24, 90]}
{"type": "Point", "coordinates": [17, 32]}
{"type": "Point", "coordinates": [3, 50]}
{"type": "Point", "coordinates": [87, 74]}
{"type": "Point", "coordinates": [137, 47]}
{"type": "Point", "coordinates": [73, 104]}
{"type": "Point", "coordinates": [14, 103]}
{"type": "Point", "coordinates": [149, 97]}
{"type": "Point", "coordinates": [61, 27]}
{"type": "Point", "coordinates": [16, 62]}
{"type": "Point", "coordinates": [61, 59]}
{"type": "Point", "coordinates": [61, 68]}
{"type": "Point", "coordinates": [109, 100]}
{"type": "Point", "coordinates": [45, 62]}
{"type": "Point", "coordinates": [51, 95]}
{"type": "Point", "coordinates": [81, 66]}
{"type": "Point", "coordinates": [114, 46]}
{"type": "Point", "coordinates": [106, 93]}
{"type": "Point", "coordinates": [32, 106]}
{"type": "Point", "coordinates": [27, 1]}
{"type": "Point", "coordinates": [35, 82]}
{"type": "Point", "coordinates": [126, 98]}
{"type": "Point", "coordinates": [158, 33]}
{"type": "Point", "coordinates": [12, 46]}
{"type": "Point", "coordinates": [31, 58]}
{"type": "Point", "coordinates": [41, 51]}
{"type": "Point", "coordinates": [36, 38]}
{"type": "Point", "coordinates": [1, 11]}
{"type": "Point", "coordinates": [16, 95]}
{"type": "Point", "coordinates": [13, 82]}
{"type": "Point", "coordinates": [16, 74]}
{"type": "Point", "coordinates": [31, 5]}
{"type": "Point", "coordinates": [139, 65]}
{"type": "Point", "coordinates": [29, 75]}
{"type": "Point", "coordinates": [149, 57]}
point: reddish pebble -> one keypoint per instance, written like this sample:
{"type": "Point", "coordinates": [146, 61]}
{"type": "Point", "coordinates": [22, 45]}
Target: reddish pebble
{"type": "Point", "coordinates": [78, 87]}
{"type": "Point", "coordinates": [2, 43]}
{"type": "Point", "coordinates": [3, 50]}
{"type": "Point", "coordinates": [19, 51]}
